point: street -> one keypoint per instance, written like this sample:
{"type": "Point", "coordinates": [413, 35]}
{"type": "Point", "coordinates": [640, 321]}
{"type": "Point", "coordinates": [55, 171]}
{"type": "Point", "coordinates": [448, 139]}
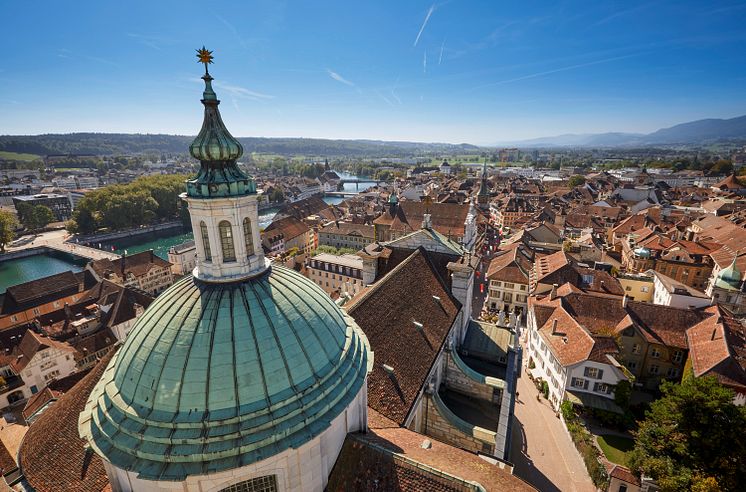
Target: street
{"type": "Point", "coordinates": [542, 452]}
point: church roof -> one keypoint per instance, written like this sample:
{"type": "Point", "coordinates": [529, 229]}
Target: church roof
{"type": "Point", "coordinates": [53, 457]}
{"type": "Point", "coordinates": [216, 376]}
{"type": "Point", "coordinates": [407, 316]}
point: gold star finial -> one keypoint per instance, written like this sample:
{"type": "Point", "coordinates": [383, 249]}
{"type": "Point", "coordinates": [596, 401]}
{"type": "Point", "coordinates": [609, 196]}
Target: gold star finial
{"type": "Point", "coordinates": [204, 56]}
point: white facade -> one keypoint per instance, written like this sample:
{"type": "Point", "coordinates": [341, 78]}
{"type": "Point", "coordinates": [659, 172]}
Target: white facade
{"type": "Point", "coordinates": [507, 295]}
{"type": "Point", "coordinates": [183, 259]}
{"type": "Point", "coordinates": [336, 273]}
{"type": "Point", "coordinates": [679, 298]}
{"type": "Point", "coordinates": [306, 468]}
{"type": "Point", "coordinates": [586, 376]}
{"type": "Point", "coordinates": [242, 238]}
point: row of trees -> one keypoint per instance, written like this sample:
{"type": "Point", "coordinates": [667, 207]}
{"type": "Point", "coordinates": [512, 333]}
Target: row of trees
{"type": "Point", "coordinates": [146, 200]}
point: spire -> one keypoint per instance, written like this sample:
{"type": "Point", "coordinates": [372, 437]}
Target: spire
{"type": "Point", "coordinates": [216, 149]}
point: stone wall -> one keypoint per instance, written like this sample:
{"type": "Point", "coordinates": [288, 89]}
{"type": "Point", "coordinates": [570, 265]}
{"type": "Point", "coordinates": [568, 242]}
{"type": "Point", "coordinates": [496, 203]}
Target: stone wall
{"type": "Point", "coordinates": [443, 427]}
{"type": "Point", "coordinates": [457, 380]}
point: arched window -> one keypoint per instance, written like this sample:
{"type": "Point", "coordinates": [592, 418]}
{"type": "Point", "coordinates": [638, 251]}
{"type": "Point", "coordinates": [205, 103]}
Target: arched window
{"type": "Point", "coordinates": [260, 484]}
{"type": "Point", "coordinates": [226, 241]}
{"type": "Point", "coordinates": [247, 237]}
{"type": "Point", "coordinates": [205, 241]}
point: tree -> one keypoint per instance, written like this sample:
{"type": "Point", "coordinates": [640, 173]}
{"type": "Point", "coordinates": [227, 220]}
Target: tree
{"type": "Point", "coordinates": [688, 440]}
{"type": "Point", "coordinates": [8, 225]}
{"type": "Point", "coordinates": [576, 180]}
{"type": "Point", "coordinates": [622, 393]}
{"type": "Point", "coordinates": [41, 216]}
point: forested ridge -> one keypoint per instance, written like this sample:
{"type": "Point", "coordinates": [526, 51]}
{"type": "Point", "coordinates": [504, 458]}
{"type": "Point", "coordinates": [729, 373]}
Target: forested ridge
{"type": "Point", "coordinates": [125, 143]}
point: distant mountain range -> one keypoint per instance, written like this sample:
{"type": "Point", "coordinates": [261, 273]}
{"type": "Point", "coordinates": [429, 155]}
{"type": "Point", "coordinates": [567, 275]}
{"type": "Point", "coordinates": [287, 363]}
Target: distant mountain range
{"type": "Point", "coordinates": [686, 134]}
{"type": "Point", "coordinates": [692, 133]}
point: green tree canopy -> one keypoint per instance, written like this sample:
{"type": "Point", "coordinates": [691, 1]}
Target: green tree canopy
{"type": "Point", "coordinates": [8, 225]}
{"type": "Point", "coordinates": [693, 438]}
{"type": "Point", "coordinates": [41, 216]}
{"type": "Point", "coordinates": [576, 180]}
{"type": "Point", "coordinates": [142, 202]}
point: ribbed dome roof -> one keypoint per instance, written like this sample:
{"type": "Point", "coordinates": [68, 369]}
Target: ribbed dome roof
{"type": "Point", "coordinates": [729, 277]}
{"type": "Point", "coordinates": [218, 376]}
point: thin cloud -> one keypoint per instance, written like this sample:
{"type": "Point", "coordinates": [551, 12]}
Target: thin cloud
{"type": "Point", "coordinates": [233, 29]}
{"type": "Point", "coordinates": [242, 92]}
{"type": "Point", "coordinates": [149, 41]}
{"type": "Point", "coordinates": [424, 62]}
{"type": "Point", "coordinates": [621, 13]}
{"type": "Point", "coordinates": [339, 78]}
{"type": "Point", "coordinates": [557, 70]}
{"type": "Point", "coordinates": [424, 23]}
{"type": "Point", "coordinates": [386, 99]}
{"type": "Point", "coordinates": [440, 57]}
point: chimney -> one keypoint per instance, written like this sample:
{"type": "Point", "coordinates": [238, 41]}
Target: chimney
{"type": "Point", "coordinates": [553, 293]}
{"type": "Point", "coordinates": [625, 299]}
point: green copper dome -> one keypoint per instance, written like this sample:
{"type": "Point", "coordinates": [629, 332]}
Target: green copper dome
{"type": "Point", "coordinates": [217, 151]}
{"type": "Point", "coordinates": [729, 277]}
{"type": "Point", "coordinates": [218, 376]}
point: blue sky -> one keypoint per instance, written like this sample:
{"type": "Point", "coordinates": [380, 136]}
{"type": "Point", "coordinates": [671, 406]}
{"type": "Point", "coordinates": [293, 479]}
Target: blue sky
{"type": "Point", "coordinates": [458, 71]}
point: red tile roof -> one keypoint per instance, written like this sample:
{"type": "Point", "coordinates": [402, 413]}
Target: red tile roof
{"type": "Point", "coordinates": [406, 327]}
{"type": "Point", "coordinates": [53, 457]}
{"type": "Point", "coordinates": [717, 346]}
{"type": "Point", "coordinates": [395, 460]}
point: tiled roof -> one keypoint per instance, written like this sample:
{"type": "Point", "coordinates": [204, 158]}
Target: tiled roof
{"type": "Point", "coordinates": [717, 346]}
{"type": "Point", "coordinates": [349, 229]}
{"type": "Point", "coordinates": [509, 267]}
{"type": "Point", "coordinates": [602, 315]}
{"type": "Point", "coordinates": [447, 218]}
{"type": "Point", "coordinates": [395, 460]}
{"type": "Point", "coordinates": [39, 400]}
{"type": "Point", "coordinates": [138, 264]}
{"type": "Point", "coordinates": [303, 208]}
{"type": "Point", "coordinates": [30, 345]}
{"type": "Point", "coordinates": [53, 440]}
{"type": "Point", "coordinates": [624, 474]}
{"type": "Point", "coordinates": [7, 462]}
{"type": "Point", "coordinates": [288, 227]}
{"type": "Point", "coordinates": [567, 340]}
{"type": "Point", "coordinates": [387, 313]}
{"type": "Point", "coordinates": [23, 293]}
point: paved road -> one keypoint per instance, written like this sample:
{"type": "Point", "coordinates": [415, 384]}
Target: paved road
{"type": "Point", "coordinates": [56, 240]}
{"type": "Point", "coordinates": [542, 450]}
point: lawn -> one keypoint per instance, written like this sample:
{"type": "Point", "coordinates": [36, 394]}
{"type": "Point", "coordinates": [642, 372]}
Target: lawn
{"type": "Point", "coordinates": [616, 448]}
{"type": "Point", "coordinates": [14, 156]}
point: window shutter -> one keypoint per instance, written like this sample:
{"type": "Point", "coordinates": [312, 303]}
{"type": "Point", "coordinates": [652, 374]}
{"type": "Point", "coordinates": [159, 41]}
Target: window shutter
{"type": "Point", "coordinates": [585, 372]}
{"type": "Point", "coordinates": [595, 386]}
{"type": "Point", "coordinates": [600, 374]}
{"type": "Point", "coordinates": [585, 385]}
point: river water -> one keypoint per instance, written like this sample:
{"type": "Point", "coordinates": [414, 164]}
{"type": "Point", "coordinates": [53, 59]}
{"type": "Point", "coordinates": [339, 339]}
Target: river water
{"type": "Point", "coordinates": [18, 271]}
{"type": "Point", "coordinates": [14, 272]}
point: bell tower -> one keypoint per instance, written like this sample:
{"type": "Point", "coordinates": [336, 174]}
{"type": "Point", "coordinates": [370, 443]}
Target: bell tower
{"type": "Point", "coordinates": [222, 199]}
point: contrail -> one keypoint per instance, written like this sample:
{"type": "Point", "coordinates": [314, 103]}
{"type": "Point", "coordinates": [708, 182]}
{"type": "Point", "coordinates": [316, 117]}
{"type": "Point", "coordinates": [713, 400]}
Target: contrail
{"type": "Point", "coordinates": [556, 70]}
{"type": "Point", "coordinates": [424, 63]}
{"type": "Point", "coordinates": [339, 78]}
{"type": "Point", "coordinates": [427, 18]}
{"type": "Point", "coordinates": [440, 58]}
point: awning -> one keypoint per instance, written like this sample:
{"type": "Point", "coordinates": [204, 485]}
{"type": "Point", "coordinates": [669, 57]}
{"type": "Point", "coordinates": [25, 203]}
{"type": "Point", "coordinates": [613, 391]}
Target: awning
{"type": "Point", "coordinates": [590, 400]}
